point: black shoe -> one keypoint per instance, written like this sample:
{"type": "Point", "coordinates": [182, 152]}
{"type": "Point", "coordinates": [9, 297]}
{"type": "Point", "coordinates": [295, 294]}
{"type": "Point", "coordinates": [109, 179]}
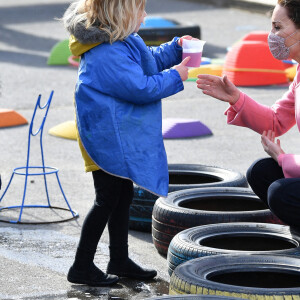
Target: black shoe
{"type": "Point", "coordinates": [130, 269]}
{"type": "Point", "coordinates": [92, 277]}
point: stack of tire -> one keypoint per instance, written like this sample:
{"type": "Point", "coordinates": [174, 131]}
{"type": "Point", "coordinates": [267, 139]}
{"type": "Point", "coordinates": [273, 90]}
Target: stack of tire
{"type": "Point", "coordinates": [224, 241]}
{"type": "Point", "coordinates": [202, 206]}
{"type": "Point", "coordinates": [181, 177]}
{"type": "Point", "coordinates": [249, 260]}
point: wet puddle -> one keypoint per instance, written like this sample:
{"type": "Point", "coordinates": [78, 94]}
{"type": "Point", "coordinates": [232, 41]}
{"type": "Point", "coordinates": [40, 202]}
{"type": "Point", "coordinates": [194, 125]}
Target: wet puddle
{"type": "Point", "coordinates": [53, 252]}
{"type": "Point", "coordinates": [126, 289]}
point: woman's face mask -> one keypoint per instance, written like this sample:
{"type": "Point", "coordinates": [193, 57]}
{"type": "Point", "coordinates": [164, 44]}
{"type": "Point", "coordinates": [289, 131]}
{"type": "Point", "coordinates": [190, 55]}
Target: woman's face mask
{"type": "Point", "coordinates": [277, 46]}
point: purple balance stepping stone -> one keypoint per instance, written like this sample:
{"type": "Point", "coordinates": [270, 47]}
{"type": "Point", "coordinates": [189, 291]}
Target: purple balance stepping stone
{"type": "Point", "coordinates": [183, 128]}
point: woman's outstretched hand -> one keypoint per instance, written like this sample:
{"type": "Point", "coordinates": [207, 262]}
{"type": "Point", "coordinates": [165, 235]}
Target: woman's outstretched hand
{"type": "Point", "coordinates": [270, 146]}
{"type": "Point", "coordinates": [218, 87]}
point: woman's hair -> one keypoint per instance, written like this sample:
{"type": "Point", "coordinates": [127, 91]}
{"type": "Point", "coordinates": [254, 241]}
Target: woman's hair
{"type": "Point", "coordinates": [293, 10]}
{"type": "Point", "coordinates": [117, 18]}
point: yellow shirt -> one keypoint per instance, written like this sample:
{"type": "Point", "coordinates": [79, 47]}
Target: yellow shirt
{"type": "Point", "coordinates": [88, 162]}
{"type": "Point", "coordinates": [78, 49]}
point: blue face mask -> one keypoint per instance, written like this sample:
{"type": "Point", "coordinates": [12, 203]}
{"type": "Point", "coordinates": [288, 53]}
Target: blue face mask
{"type": "Point", "coordinates": [277, 46]}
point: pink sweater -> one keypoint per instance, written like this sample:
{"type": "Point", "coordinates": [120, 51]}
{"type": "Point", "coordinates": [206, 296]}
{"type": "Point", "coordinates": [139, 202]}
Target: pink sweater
{"type": "Point", "coordinates": [281, 117]}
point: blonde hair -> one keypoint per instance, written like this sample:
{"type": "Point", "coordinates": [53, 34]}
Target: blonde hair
{"type": "Point", "coordinates": [117, 18]}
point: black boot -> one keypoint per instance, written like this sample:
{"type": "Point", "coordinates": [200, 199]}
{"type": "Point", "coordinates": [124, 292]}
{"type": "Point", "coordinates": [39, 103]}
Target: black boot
{"type": "Point", "coordinates": [83, 270]}
{"type": "Point", "coordinates": [120, 264]}
{"type": "Point", "coordinates": [128, 268]}
{"type": "Point", "coordinates": [118, 222]}
{"type": "Point", "coordinates": [91, 276]}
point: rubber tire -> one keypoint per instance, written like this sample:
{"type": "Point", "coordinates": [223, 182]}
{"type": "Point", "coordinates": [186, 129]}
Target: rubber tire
{"type": "Point", "coordinates": [169, 217]}
{"type": "Point", "coordinates": [140, 214]}
{"type": "Point", "coordinates": [155, 36]}
{"type": "Point", "coordinates": [182, 176]}
{"type": "Point", "coordinates": [198, 276]}
{"type": "Point", "coordinates": [194, 297]}
{"type": "Point", "coordinates": [194, 242]}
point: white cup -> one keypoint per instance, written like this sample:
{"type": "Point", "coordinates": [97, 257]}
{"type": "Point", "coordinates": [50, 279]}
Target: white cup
{"type": "Point", "coordinates": [192, 48]}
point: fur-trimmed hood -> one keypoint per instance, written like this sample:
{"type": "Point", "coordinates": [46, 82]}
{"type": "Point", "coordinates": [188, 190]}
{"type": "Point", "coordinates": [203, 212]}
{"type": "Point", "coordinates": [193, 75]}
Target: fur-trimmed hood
{"type": "Point", "coordinates": [75, 23]}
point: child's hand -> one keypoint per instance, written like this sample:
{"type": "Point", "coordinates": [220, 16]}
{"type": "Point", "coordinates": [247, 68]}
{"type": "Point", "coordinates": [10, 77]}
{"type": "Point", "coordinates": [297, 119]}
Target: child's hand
{"type": "Point", "coordinates": [185, 37]}
{"type": "Point", "coordinates": [182, 69]}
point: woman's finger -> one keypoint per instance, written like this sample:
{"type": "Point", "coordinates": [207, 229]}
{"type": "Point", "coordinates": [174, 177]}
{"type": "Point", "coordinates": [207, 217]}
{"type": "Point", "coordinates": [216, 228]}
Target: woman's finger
{"type": "Point", "coordinates": [208, 77]}
{"type": "Point", "coordinates": [207, 82]}
{"type": "Point", "coordinates": [271, 134]}
{"type": "Point", "coordinates": [273, 137]}
{"type": "Point", "coordinates": [204, 86]}
{"type": "Point", "coordinates": [278, 143]}
{"type": "Point", "coordinates": [264, 139]}
{"type": "Point", "coordinates": [226, 80]}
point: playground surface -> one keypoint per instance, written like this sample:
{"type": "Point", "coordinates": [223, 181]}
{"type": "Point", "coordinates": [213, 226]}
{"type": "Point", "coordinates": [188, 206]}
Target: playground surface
{"type": "Point", "coordinates": [35, 258]}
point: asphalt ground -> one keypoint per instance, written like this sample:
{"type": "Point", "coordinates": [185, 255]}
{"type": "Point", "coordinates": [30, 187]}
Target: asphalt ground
{"type": "Point", "coordinates": [34, 259]}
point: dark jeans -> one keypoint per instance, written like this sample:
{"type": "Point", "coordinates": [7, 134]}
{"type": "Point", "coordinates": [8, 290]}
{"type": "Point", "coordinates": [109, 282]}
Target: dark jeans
{"type": "Point", "coordinates": [282, 195]}
{"type": "Point", "coordinates": [113, 198]}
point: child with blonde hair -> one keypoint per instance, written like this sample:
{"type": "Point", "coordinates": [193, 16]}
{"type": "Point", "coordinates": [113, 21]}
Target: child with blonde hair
{"type": "Point", "coordinates": [118, 96]}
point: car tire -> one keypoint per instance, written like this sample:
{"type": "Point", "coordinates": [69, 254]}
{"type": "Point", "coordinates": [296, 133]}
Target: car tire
{"type": "Point", "coordinates": [231, 238]}
{"type": "Point", "coordinates": [182, 176]}
{"type": "Point", "coordinates": [248, 276]}
{"type": "Point", "coordinates": [194, 207]}
{"type": "Point", "coordinates": [194, 297]}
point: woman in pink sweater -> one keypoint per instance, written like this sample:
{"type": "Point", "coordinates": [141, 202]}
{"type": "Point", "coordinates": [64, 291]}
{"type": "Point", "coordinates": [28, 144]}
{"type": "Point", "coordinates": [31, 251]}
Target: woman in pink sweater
{"type": "Point", "coordinates": [276, 180]}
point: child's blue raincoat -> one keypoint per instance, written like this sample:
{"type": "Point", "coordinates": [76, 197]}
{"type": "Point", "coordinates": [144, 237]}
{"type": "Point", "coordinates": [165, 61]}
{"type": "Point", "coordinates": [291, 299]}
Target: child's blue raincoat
{"type": "Point", "coordinates": [118, 108]}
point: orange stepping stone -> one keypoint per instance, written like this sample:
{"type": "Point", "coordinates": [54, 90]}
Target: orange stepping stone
{"type": "Point", "coordinates": [256, 36]}
{"type": "Point", "coordinates": [250, 63]}
{"type": "Point", "coordinates": [9, 118]}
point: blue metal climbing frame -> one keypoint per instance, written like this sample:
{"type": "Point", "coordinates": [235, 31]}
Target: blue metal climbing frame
{"type": "Point", "coordinates": [36, 171]}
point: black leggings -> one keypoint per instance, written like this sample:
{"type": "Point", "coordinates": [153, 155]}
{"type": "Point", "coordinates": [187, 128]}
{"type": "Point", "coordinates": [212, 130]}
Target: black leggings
{"type": "Point", "coordinates": [282, 195]}
{"type": "Point", "coordinates": [113, 198]}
